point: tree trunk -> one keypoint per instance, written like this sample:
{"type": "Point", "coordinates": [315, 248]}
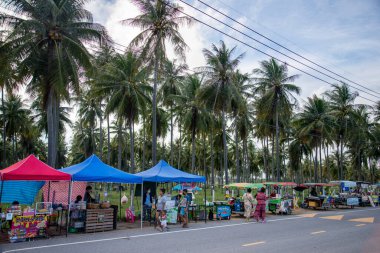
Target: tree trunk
{"type": "Point", "coordinates": [4, 129]}
{"type": "Point", "coordinates": [328, 163]}
{"type": "Point", "coordinates": [237, 153]}
{"type": "Point", "coordinates": [108, 140]}
{"type": "Point", "coordinates": [245, 159]}
{"type": "Point", "coordinates": [101, 133]}
{"type": "Point", "coordinates": [204, 155]}
{"type": "Point", "coordinates": [193, 150]}
{"type": "Point", "coordinates": [320, 161]}
{"type": "Point", "coordinates": [316, 165]}
{"type": "Point", "coordinates": [225, 145]}
{"type": "Point", "coordinates": [265, 158]}
{"type": "Point", "coordinates": [144, 145]}
{"type": "Point", "coordinates": [212, 158]}
{"type": "Point", "coordinates": [179, 143]}
{"type": "Point", "coordinates": [119, 148]}
{"type": "Point", "coordinates": [132, 143]}
{"type": "Point", "coordinates": [171, 136]}
{"type": "Point", "coordinates": [272, 162]}
{"type": "Point", "coordinates": [52, 111]}
{"type": "Point", "coordinates": [277, 146]}
{"type": "Point", "coordinates": [341, 159]}
{"type": "Point", "coordinates": [154, 108]}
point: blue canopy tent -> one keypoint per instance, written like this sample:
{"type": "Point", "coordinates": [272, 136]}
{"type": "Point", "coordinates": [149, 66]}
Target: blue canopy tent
{"type": "Point", "coordinates": [94, 170]}
{"type": "Point", "coordinates": [162, 172]}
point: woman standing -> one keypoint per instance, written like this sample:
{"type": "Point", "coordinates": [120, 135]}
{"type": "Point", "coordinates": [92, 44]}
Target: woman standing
{"type": "Point", "coordinates": [248, 202]}
{"type": "Point", "coordinates": [160, 206]}
{"type": "Point", "coordinates": [261, 204]}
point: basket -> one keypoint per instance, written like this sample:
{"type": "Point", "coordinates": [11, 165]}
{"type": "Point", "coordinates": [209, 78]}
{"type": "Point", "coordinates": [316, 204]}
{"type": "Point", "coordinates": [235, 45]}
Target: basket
{"type": "Point", "coordinates": [92, 206]}
{"type": "Point", "coordinates": [105, 205]}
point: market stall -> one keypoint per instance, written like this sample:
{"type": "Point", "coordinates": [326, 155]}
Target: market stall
{"type": "Point", "coordinates": [280, 200]}
{"type": "Point", "coordinates": [98, 216]}
{"type": "Point", "coordinates": [162, 172]}
{"type": "Point", "coordinates": [235, 203]}
{"type": "Point", "coordinates": [32, 221]}
{"type": "Point", "coordinates": [317, 197]}
{"type": "Point", "coordinates": [346, 196]}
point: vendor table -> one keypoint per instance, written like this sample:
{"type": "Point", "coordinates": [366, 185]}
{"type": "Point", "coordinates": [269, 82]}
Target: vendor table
{"type": "Point", "coordinates": [99, 220]}
{"type": "Point", "coordinates": [346, 201]}
{"type": "Point", "coordinates": [319, 202]}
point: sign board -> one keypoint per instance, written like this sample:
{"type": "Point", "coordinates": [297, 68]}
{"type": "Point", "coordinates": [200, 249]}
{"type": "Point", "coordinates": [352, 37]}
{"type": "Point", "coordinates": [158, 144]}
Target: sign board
{"type": "Point", "coordinates": [223, 212]}
{"type": "Point", "coordinates": [172, 215]}
{"type": "Point", "coordinates": [28, 227]}
{"type": "Point", "coordinates": [353, 201]}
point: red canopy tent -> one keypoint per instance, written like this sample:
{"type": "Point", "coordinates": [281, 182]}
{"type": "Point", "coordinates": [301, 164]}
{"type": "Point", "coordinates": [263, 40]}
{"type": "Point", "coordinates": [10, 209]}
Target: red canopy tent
{"type": "Point", "coordinates": [32, 169]}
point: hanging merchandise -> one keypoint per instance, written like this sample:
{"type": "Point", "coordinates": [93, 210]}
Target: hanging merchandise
{"type": "Point", "coordinates": [124, 199]}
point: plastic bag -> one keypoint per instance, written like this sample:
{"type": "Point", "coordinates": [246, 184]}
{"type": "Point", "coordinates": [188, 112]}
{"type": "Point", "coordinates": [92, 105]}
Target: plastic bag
{"type": "Point", "coordinates": [124, 199]}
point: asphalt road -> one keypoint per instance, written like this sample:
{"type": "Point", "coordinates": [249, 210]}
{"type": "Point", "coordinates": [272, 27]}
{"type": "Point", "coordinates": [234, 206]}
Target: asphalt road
{"type": "Point", "coordinates": [352, 230]}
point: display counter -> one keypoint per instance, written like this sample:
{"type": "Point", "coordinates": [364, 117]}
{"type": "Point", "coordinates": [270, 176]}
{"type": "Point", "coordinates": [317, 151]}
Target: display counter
{"type": "Point", "coordinates": [322, 202]}
{"type": "Point", "coordinates": [99, 220]}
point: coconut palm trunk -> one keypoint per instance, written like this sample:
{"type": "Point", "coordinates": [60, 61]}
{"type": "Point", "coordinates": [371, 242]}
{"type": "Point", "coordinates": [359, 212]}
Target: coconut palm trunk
{"type": "Point", "coordinates": [193, 150]}
{"type": "Point", "coordinates": [132, 147]}
{"type": "Point", "coordinates": [225, 146]}
{"type": "Point", "coordinates": [144, 145]}
{"type": "Point", "coordinates": [4, 129]}
{"type": "Point", "coordinates": [119, 146]}
{"type": "Point", "coordinates": [212, 158]}
{"type": "Point", "coordinates": [277, 145]}
{"type": "Point", "coordinates": [179, 144]}
{"type": "Point", "coordinates": [237, 153]}
{"type": "Point", "coordinates": [171, 135]}
{"type": "Point", "coordinates": [154, 107]}
{"type": "Point", "coordinates": [108, 140]}
{"type": "Point", "coordinates": [52, 122]}
{"type": "Point", "coordinates": [101, 135]}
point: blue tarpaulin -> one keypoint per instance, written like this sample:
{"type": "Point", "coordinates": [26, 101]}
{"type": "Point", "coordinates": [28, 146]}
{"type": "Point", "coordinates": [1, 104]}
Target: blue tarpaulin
{"type": "Point", "coordinates": [163, 172]}
{"type": "Point", "coordinates": [94, 170]}
{"type": "Point", "coordinates": [24, 192]}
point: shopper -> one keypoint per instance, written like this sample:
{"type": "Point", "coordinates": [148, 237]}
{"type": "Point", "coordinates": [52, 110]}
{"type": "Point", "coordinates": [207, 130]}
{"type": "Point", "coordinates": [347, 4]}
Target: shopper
{"type": "Point", "coordinates": [261, 204]}
{"type": "Point", "coordinates": [160, 206]}
{"type": "Point", "coordinates": [248, 203]}
{"type": "Point", "coordinates": [183, 209]}
{"type": "Point", "coordinates": [147, 204]}
{"type": "Point", "coordinates": [163, 221]}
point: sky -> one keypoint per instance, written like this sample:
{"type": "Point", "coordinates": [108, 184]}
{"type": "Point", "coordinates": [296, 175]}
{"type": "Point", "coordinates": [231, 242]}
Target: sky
{"type": "Point", "coordinates": [341, 35]}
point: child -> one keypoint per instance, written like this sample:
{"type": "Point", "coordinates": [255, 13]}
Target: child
{"type": "Point", "coordinates": [163, 221]}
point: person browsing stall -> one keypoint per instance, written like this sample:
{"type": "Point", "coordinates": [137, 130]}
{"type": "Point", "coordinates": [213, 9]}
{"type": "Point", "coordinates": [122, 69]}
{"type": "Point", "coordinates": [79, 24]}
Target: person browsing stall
{"type": "Point", "coordinates": [261, 204]}
{"type": "Point", "coordinates": [248, 202]}
{"type": "Point", "coordinates": [183, 208]}
{"type": "Point", "coordinates": [160, 206]}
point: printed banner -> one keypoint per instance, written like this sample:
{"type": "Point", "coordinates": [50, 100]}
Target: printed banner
{"type": "Point", "coordinates": [172, 215]}
{"type": "Point", "coordinates": [28, 227]}
{"type": "Point", "coordinates": [353, 201]}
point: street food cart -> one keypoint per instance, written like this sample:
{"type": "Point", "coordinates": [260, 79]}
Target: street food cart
{"type": "Point", "coordinates": [280, 201]}
{"type": "Point", "coordinates": [322, 200]}
{"type": "Point", "coordinates": [347, 196]}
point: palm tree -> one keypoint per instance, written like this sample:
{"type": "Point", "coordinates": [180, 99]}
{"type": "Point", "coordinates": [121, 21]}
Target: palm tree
{"type": "Point", "coordinates": [16, 116]}
{"type": "Point", "coordinates": [171, 86]}
{"type": "Point", "coordinates": [341, 101]}
{"type": "Point", "coordinates": [125, 82]}
{"type": "Point", "coordinates": [159, 21]}
{"type": "Point", "coordinates": [193, 113]}
{"type": "Point", "coordinates": [219, 88]}
{"type": "Point", "coordinates": [277, 99]}
{"type": "Point", "coordinates": [316, 124]}
{"type": "Point", "coordinates": [48, 38]}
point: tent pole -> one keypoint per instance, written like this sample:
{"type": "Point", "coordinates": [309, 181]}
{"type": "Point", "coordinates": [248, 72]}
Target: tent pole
{"type": "Point", "coordinates": [141, 210]}
{"type": "Point", "coordinates": [68, 207]}
{"type": "Point", "coordinates": [48, 198]}
{"type": "Point", "coordinates": [120, 202]}
{"type": "Point", "coordinates": [205, 201]}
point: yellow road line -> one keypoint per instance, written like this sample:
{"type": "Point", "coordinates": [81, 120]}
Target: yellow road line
{"type": "Point", "coordinates": [308, 215]}
{"type": "Point", "coordinates": [253, 244]}
{"type": "Point", "coordinates": [335, 217]}
{"type": "Point", "coordinates": [366, 220]}
{"type": "Point", "coordinates": [317, 232]}
{"type": "Point", "coordinates": [360, 225]}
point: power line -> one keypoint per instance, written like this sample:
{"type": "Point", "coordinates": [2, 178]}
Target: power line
{"type": "Point", "coordinates": [248, 45]}
{"type": "Point", "coordinates": [208, 15]}
{"type": "Point", "coordinates": [278, 44]}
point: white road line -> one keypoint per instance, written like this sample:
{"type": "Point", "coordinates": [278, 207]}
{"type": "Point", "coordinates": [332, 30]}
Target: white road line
{"type": "Point", "coordinates": [318, 232]}
{"type": "Point", "coordinates": [360, 225]}
{"type": "Point", "coordinates": [253, 244]}
{"type": "Point", "coordinates": [158, 234]}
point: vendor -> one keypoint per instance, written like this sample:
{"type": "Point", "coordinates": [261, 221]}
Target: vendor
{"type": "Point", "coordinates": [89, 196]}
{"type": "Point", "coordinates": [78, 199]}
{"type": "Point", "coordinates": [147, 199]}
{"type": "Point", "coordinates": [15, 204]}
{"type": "Point", "coordinates": [313, 192]}
{"type": "Point", "coordinates": [273, 194]}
